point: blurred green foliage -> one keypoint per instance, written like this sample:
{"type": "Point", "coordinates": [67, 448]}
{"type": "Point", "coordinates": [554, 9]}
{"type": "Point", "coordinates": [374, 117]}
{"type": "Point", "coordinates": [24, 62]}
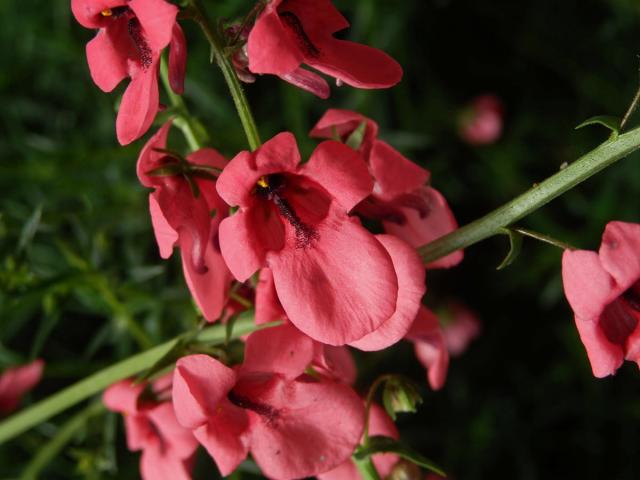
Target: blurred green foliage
{"type": "Point", "coordinates": [81, 282]}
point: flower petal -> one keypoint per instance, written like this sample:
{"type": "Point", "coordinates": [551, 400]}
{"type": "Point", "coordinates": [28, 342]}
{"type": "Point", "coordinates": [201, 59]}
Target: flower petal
{"type": "Point", "coordinates": [430, 347]}
{"type": "Point", "coordinates": [309, 81]}
{"type": "Point", "coordinates": [605, 357]}
{"type": "Point", "coordinates": [341, 171]}
{"type": "Point", "coordinates": [344, 122]}
{"type": "Point", "coordinates": [177, 59]}
{"type": "Point", "coordinates": [411, 287]}
{"type": "Point", "coordinates": [87, 12]}
{"type": "Point", "coordinates": [106, 56]}
{"type": "Point", "coordinates": [139, 105]}
{"type": "Point", "coordinates": [155, 464]}
{"type": "Point", "coordinates": [151, 159]}
{"type": "Point", "coordinates": [177, 439]}
{"type": "Point", "coordinates": [16, 381]}
{"type": "Point", "coordinates": [200, 383]}
{"type": "Point", "coordinates": [157, 18]}
{"type": "Point", "coordinates": [267, 305]}
{"type": "Point", "coordinates": [394, 174]}
{"type": "Point", "coordinates": [335, 363]}
{"type": "Point", "coordinates": [341, 287]}
{"type": "Point", "coordinates": [166, 236]}
{"type": "Point", "coordinates": [620, 252]}
{"type": "Point", "coordinates": [282, 349]}
{"type": "Point", "coordinates": [123, 396]}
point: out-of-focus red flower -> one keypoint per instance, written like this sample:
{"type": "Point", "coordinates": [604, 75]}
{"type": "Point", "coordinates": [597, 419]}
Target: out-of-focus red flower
{"type": "Point", "coordinates": [460, 327]}
{"type": "Point", "coordinates": [288, 33]}
{"type": "Point", "coordinates": [186, 211]}
{"type": "Point", "coordinates": [151, 426]}
{"type": "Point", "coordinates": [335, 280]}
{"type": "Point", "coordinates": [379, 424]}
{"type": "Point", "coordinates": [15, 382]}
{"type": "Point", "coordinates": [482, 121]}
{"type": "Point", "coordinates": [430, 347]}
{"type": "Point", "coordinates": [401, 199]}
{"type": "Point", "coordinates": [292, 424]}
{"type": "Point", "coordinates": [131, 35]}
{"type": "Point", "coordinates": [603, 290]}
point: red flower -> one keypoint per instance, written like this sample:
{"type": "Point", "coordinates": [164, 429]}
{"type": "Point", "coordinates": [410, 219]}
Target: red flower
{"type": "Point", "coordinates": [152, 427]}
{"type": "Point", "coordinates": [290, 32]}
{"type": "Point", "coordinates": [131, 36]}
{"type": "Point", "coordinates": [336, 281]}
{"type": "Point", "coordinates": [430, 347]}
{"type": "Point", "coordinates": [603, 290]}
{"type": "Point", "coordinates": [460, 327]}
{"type": "Point", "coordinates": [186, 211]}
{"type": "Point", "coordinates": [294, 426]}
{"type": "Point", "coordinates": [481, 123]}
{"type": "Point", "coordinates": [15, 382]}
{"type": "Point", "coordinates": [408, 207]}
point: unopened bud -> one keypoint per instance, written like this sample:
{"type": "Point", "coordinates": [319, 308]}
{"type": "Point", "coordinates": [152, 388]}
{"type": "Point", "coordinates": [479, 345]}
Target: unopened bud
{"type": "Point", "coordinates": [400, 395]}
{"type": "Point", "coordinates": [404, 470]}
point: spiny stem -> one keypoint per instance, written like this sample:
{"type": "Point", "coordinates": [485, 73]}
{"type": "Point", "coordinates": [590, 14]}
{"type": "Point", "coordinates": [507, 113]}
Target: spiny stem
{"type": "Point", "coordinates": [530, 201]}
{"type": "Point", "coordinates": [183, 121]}
{"type": "Point", "coordinates": [239, 98]}
{"type": "Point", "coordinates": [544, 238]}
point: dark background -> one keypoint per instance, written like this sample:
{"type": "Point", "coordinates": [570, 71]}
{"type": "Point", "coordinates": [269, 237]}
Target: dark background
{"type": "Point", "coordinates": [79, 265]}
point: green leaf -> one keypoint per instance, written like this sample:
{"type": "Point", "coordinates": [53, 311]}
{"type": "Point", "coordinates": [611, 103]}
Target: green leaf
{"type": "Point", "coordinates": [608, 121]}
{"type": "Point", "coordinates": [515, 245]}
{"type": "Point", "coordinates": [30, 228]}
{"type": "Point", "coordinates": [380, 444]}
{"type": "Point", "coordinates": [357, 136]}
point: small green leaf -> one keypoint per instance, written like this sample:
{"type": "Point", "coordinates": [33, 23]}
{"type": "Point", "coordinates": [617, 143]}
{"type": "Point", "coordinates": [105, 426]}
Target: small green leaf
{"type": "Point", "coordinates": [515, 245]}
{"type": "Point", "coordinates": [167, 151]}
{"type": "Point", "coordinates": [357, 136]}
{"type": "Point", "coordinates": [173, 354]}
{"type": "Point", "coordinates": [30, 228]}
{"type": "Point", "coordinates": [166, 170]}
{"type": "Point", "coordinates": [608, 121]}
{"type": "Point", "coordinates": [380, 444]}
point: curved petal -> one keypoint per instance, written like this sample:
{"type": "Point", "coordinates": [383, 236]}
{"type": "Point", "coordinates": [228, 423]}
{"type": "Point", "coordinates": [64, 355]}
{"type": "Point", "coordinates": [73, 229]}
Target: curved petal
{"type": "Point", "coordinates": [16, 381]}
{"type": "Point", "coordinates": [178, 440]}
{"type": "Point", "coordinates": [587, 286]}
{"type": "Point", "coordinates": [309, 81]}
{"type": "Point", "coordinates": [209, 288]}
{"type": "Point", "coordinates": [200, 384]}
{"type": "Point", "coordinates": [209, 157]}
{"type": "Point", "coordinates": [316, 429]}
{"type": "Point", "coordinates": [150, 159]}
{"type": "Point", "coordinates": [344, 122]}
{"type": "Point", "coordinates": [605, 357]}
{"type": "Point", "coordinates": [139, 432]}
{"type": "Point", "coordinates": [335, 363]}
{"type": "Point", "coordinates": [280, 349]}
{"type": "Point", "coordinates": [123, 396]}
{"type": "Point", "coordinates": [394, 174]}
{"type": "Point", "coordinates": [411, 287]}
{"type": "Point", "coordinates": [267, 305]}
{"type": "Point", "coordinates": [155, 464]}
{"type": "Point", "coordinates": [166, 236]}
{"type": "Point", "coordinates": [341, 287]}
{"type": "Point", "coordinates": [357, 65]}
{"type": "Point", "coordinates": [463, 327]}
{"type": "Point", "coordinates": [269, 45]}
{"type": "Point", "coordinates": [430, 347]}
{"type": "Point", "coordinates": [419, 229]}
{"type": "Point", "coordinates": [319, 18]}
{"type": "Point", "coordinates": [157, 18]}
{"type": "Point", "coordinates": [177, 59]}
{"type": "Point", "coordinates": [87, 12]}
{"type": "Point", "coordinates": [341, 171]}
{"type": "Point", "coordinates": [620, 252]}
{"type": "Point", "coordinates": [139, 105]}
{"type": "Point", "coordinates": [106, 56]}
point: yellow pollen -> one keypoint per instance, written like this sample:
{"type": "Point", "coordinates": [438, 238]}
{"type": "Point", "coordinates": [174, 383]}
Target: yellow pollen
{"type": "Point", "coordinates": [106, 12]}
{"type": "Point", "coordinates": [262, 181]}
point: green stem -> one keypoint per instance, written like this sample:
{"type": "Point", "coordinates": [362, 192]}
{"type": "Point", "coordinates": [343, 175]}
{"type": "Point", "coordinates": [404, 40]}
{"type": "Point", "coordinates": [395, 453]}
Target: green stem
{"type": "Point", "coordinates": [183, 121]}
{"type": "Point", "coordinates": [366, 468]}
{"type": "Point", "coordinates": [367, 407]}
{"type": "Point", "coordinates": [539, 195]}
{"type": "Point", "coordinates": [63, 436]}
{"type": "Point", "coordinates": [97, 382]}
{"type": "Point", "coordinates": [239, 98]}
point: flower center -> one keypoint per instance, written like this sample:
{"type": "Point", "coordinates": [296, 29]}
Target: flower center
{"type": "Point", "coordinates": [114, 12]}
{"type": "Point", "coordinates": [261, 409]}
{"type": "Point", "coordinates": [620, 318]}
{"type": "Point", "coordinates": [135, 32]}
{"type": "Point", "coordinates": [304, 42]}
{"type": "Point", "coordinates": [271, 187]}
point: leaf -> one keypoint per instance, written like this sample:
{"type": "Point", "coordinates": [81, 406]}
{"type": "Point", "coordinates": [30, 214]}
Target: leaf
{"type": "Point", "coordinates": [380, 444]}
{"type": "Point", "coordinates": [608, 121]}
{"type": "Point", "coordinates": [357, 136]}
{"type": "Point", "coordinates": [515, 245]}
{"type": "Point", "coordinates": [30, 228]}
{"type": "Point", "coordinates": [173, 354]}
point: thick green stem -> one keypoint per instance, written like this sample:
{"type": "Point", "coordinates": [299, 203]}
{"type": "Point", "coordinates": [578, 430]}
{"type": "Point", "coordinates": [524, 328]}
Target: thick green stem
{"type": "Point", "coordinates": [539, 195]}
{"type": "Point", "coordinates": [367, 469]}
{"type": "Point", "coordinates": [97, 382]}
{"type": "Point", "coordinates": [239, 98]}
{"type": "Point", "coordinates": [183, 121]}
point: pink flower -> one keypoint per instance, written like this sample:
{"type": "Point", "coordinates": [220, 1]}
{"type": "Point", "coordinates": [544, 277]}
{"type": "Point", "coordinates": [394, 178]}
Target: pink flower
{"type": "Point", "coordinates": [336, 281]}
{"type": "Point", "coordinates": [15, 382]}
{"type": "Point", "coordinates": [293, 425]}
{"type": "Point", "coordinates": [379, 424]}
{"type": "Point", "coordinates": [481, 123]}
{"type": "Point", "coordinates": [401, 199]}
{"type": "Point", "coordinates": [603, 290]}
{"type": "Point", "coordinates": [131, 35]}
{"type": "Point", "coordinates": [460, 327]}
{"type": "Point", "coordinates": [152, 427]}
{"type": "Point", "coordinates": [186, 211]}
{"type": "Point", "coordinates": [430, 347]}
{"type": "Point", "coordinates": [290, 32]}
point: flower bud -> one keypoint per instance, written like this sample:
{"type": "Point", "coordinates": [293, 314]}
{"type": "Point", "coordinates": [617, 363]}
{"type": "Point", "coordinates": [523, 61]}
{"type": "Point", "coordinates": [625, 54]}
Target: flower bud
{"type": "Point", "coordinates": [400, 395]}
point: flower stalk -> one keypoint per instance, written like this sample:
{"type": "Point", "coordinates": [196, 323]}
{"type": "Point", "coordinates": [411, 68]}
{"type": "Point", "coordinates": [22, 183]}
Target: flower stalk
{"type": "Point", "coordinates": [537, 196]}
